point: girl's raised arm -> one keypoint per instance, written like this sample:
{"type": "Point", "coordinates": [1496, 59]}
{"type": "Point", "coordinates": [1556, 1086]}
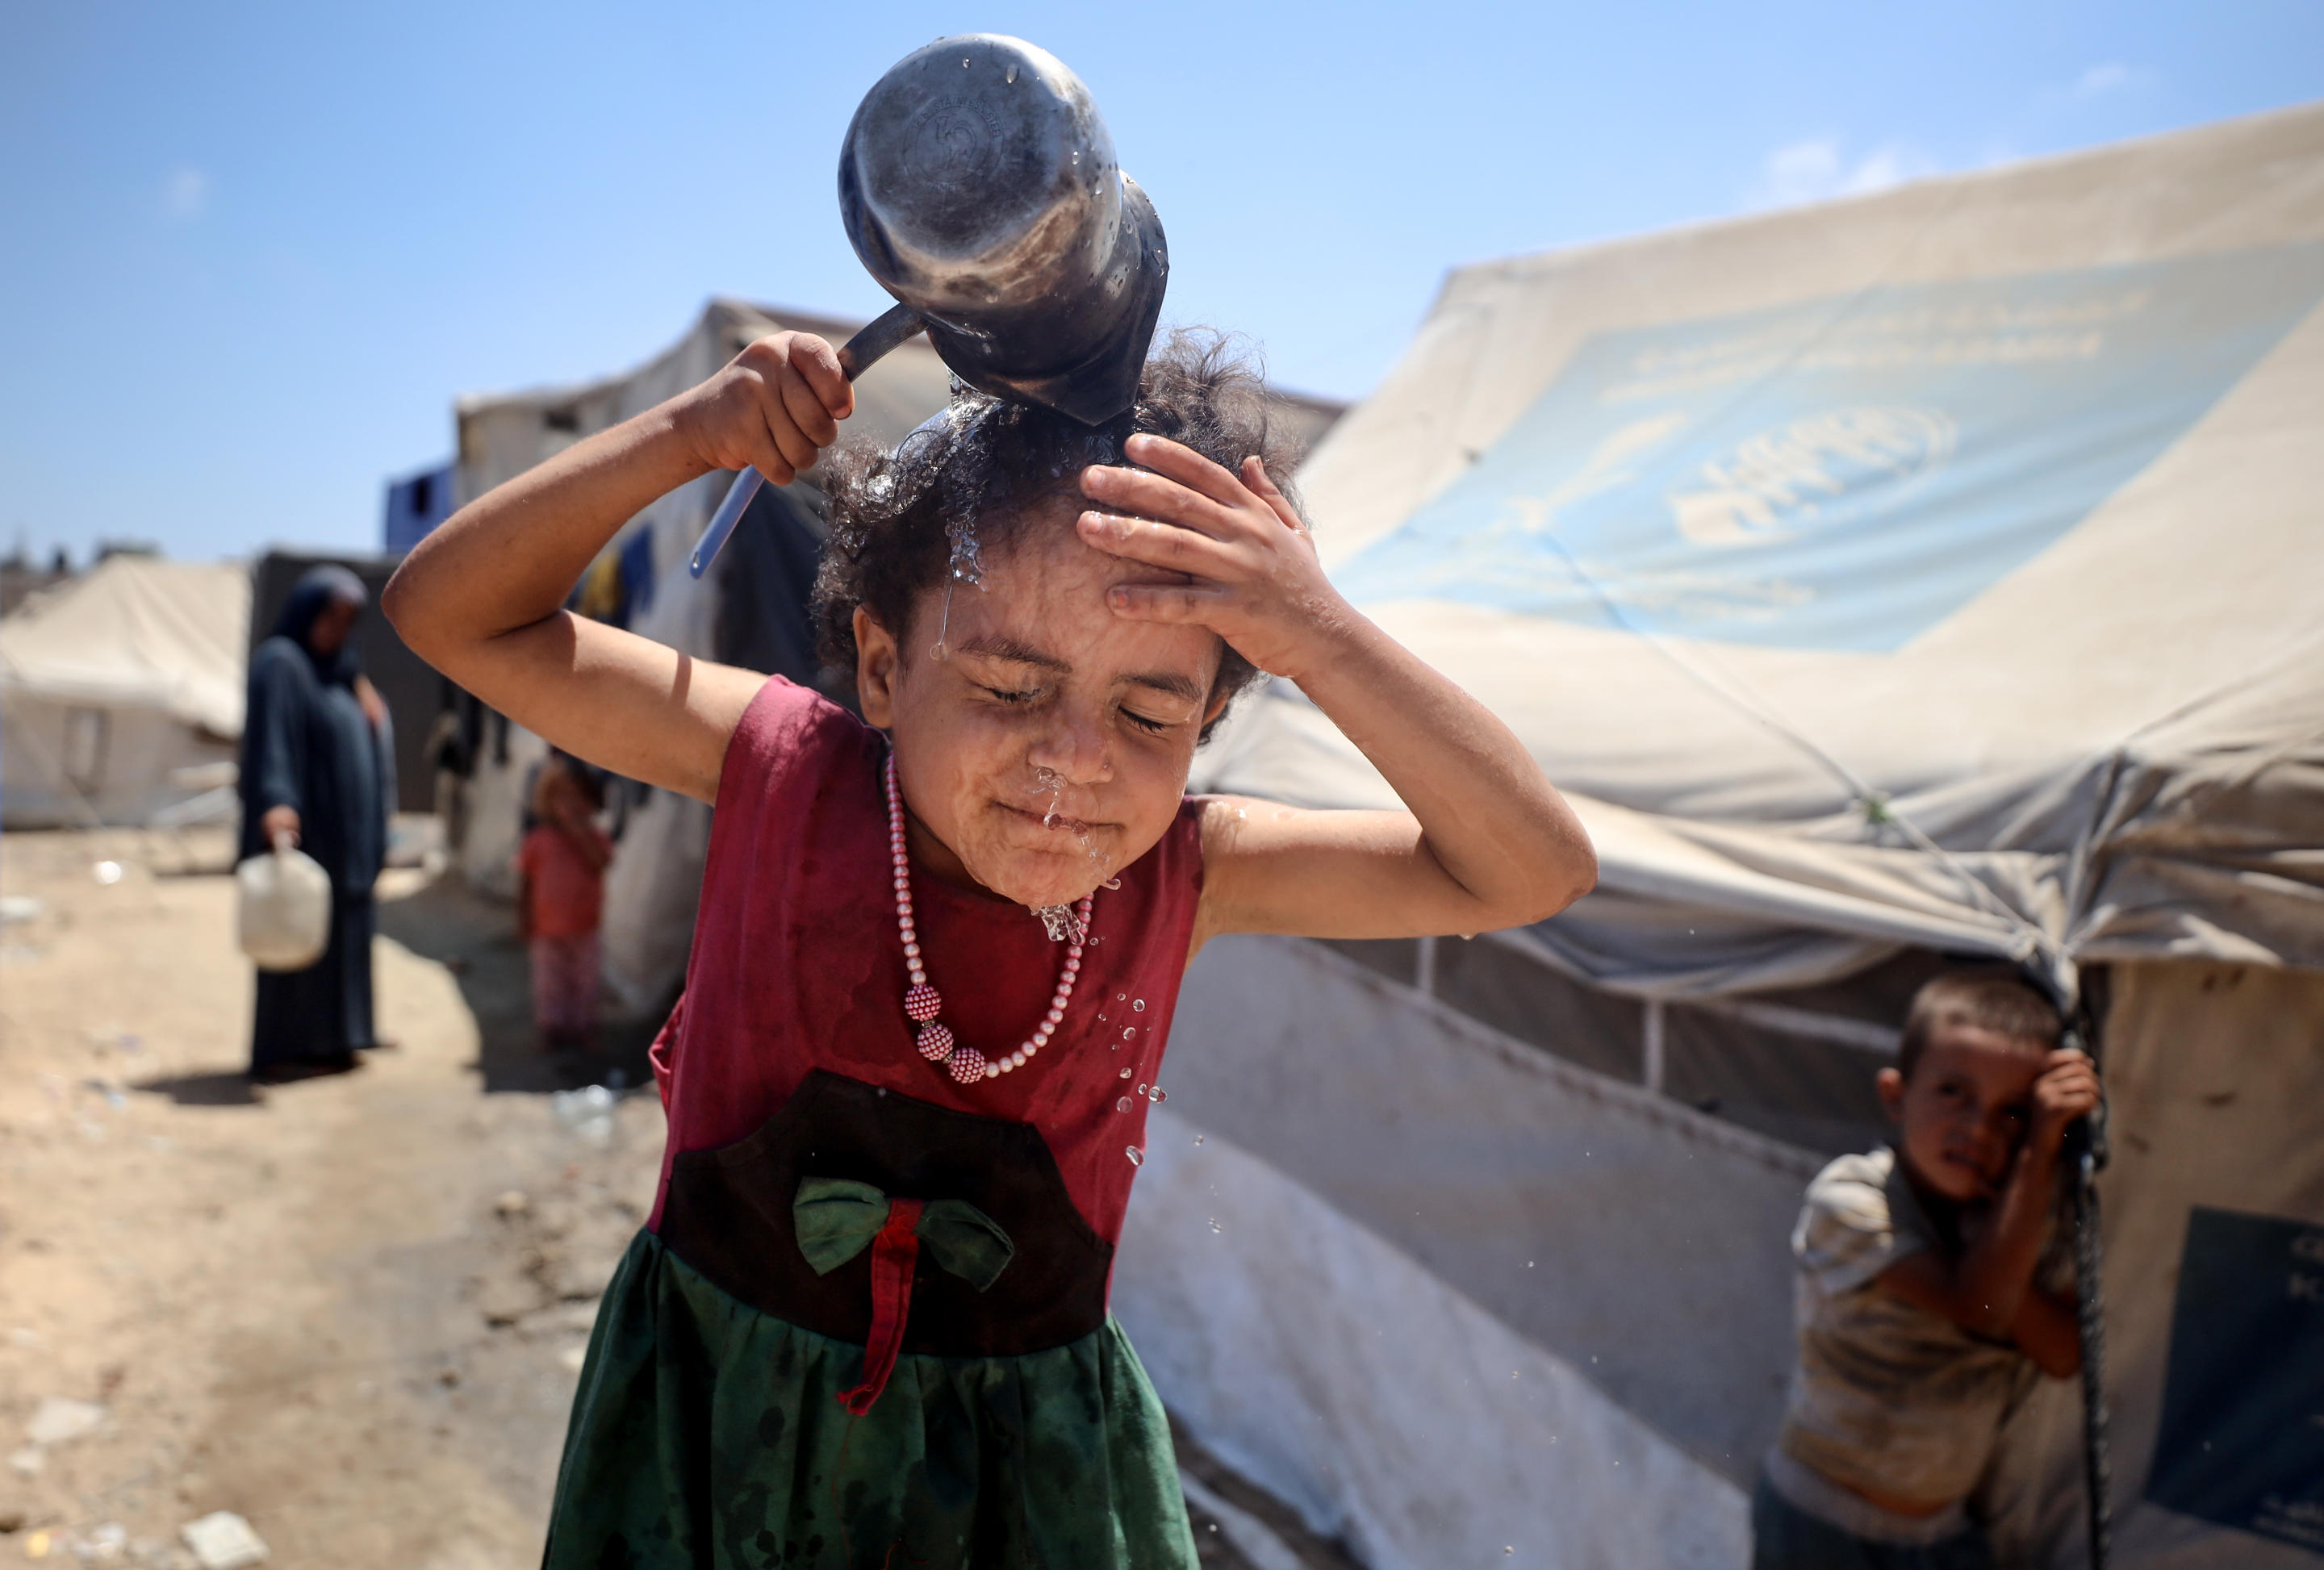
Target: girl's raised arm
{"type": "Point", "coordinates": [1486, 843]}
{"type": "Point", "coordinates": [481, 598]}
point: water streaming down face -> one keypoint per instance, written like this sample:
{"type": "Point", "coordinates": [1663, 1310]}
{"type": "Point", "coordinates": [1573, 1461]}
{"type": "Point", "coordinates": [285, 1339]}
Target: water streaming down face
{"type": "Point", "coordinates": [1062, 922]}
{"type": "Point", "coordinates": [957, 420]}
{"type": "Point", "coordinates": [967, 568]}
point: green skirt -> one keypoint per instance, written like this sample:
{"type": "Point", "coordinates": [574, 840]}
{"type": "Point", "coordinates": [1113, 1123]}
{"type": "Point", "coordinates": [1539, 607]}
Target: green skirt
{"type": "Point", "coordinates": [706, 1433]}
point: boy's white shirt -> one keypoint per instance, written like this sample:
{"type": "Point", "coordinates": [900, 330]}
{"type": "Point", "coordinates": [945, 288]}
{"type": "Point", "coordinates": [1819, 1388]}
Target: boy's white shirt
{"type": "Point", "coordinates": [1886, 1396]}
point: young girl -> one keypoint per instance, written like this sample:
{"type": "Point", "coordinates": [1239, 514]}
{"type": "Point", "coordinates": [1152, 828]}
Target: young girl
{"type": "Point", "coordinates": [938, 948]}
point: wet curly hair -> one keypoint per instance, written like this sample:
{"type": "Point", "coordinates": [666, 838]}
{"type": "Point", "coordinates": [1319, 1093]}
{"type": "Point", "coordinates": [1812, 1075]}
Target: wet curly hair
{"type": "Point", "coordinates": [964, 485]}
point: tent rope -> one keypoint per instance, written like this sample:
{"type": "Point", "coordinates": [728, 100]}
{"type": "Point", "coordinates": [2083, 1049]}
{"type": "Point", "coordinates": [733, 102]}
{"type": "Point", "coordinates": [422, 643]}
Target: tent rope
{"type": "Point", "coordinates": [2084, 1153]}
{"type": "Point", "coordinates": [1875, 806]}
{"type": "Point", "coordinates": [2090, 1313]}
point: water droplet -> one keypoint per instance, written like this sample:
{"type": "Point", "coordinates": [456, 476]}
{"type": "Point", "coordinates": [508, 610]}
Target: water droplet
{"type": "Point", "coordinates": [1125, 1073]}
{"type": "Point", "coordinates": [1101, 1019]}
{"type": "Point", "coordinates": [1159, 1095]}
{"type": "Point", "coordinates": [1122, 997]}
{"type": "Point", "coordinates": [1198, 1139]}
{"type": "Point", "coordinates": [1137, 1157]}
{"type": "Point", "coordinates": [939, 653]}
{"type": "Point", "coordinates": [1123, 1104]}
{"type": "Point", "coordinates": [1115, 883]}
{"type": "Point", "coordinates": [963, 65]}
{"type": "Point", "coordinates": [1141, 1087]}
{"type": "Point", "coordinates": [1214, 1223]}
{"type": "Point", "coordinates": [1063, 922]}
{"type": "Point", "coordinates": [1011, 76]}
{"type": "Point", "coordinates": [1139, 1006]}
{"type": "Point", "coordinates": [1130, 1033]}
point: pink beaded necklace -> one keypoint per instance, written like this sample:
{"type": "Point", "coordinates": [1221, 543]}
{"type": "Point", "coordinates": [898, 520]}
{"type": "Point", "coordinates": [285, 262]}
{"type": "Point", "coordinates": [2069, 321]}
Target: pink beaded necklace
{"type": "Point", "coordinates": [922, 1004]}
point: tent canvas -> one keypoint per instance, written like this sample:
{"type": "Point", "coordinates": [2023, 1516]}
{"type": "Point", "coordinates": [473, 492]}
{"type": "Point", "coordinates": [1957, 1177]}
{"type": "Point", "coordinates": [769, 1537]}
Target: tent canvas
{"type": "Point", "coordinates": [1925, 576]}
{"type": "Point", "coordinates": [121, 692]}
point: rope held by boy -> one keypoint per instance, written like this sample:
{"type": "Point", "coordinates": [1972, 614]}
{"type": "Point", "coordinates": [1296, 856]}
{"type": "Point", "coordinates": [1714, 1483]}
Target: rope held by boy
{"type": "Point", "coordinates": [2085, 1153]}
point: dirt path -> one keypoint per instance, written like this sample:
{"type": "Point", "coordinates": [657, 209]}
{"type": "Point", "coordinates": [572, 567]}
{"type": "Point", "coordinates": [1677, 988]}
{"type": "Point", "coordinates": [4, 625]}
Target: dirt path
{"type": "Point", "coordinates": [348, 1310]}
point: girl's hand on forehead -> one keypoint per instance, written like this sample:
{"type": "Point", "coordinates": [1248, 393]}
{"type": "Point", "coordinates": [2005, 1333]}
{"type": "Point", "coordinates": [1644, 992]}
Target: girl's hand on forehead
{"type": "Point", "coordinates": [1254, 576]}
{"type": "Point", "coordinates": [773, 407]}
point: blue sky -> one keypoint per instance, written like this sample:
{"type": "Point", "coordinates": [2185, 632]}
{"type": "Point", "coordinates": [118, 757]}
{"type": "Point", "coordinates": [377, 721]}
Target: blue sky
{"type": "Point", "coordinates": [250, 253]}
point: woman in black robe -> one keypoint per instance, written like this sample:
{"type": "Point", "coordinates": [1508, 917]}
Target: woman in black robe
{"type": "Point", "coordinates": [318, 764]}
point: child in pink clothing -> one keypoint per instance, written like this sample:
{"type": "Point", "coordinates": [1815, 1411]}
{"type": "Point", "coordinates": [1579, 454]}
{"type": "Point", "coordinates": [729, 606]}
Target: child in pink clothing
{"type": "Point", "coordinates": [561, 900]}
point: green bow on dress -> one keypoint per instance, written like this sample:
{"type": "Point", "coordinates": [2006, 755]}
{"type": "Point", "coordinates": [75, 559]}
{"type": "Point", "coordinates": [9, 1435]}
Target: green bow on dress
{"type": "Point", "coordinates": [836, 1218]}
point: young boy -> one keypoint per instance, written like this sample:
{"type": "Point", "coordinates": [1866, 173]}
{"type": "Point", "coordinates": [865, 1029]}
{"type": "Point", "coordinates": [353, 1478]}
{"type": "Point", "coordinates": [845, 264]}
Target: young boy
{"type": "Point", "coordinates": [1926, 1296]}
{"type": "Point", "coordinates": [561, 899]}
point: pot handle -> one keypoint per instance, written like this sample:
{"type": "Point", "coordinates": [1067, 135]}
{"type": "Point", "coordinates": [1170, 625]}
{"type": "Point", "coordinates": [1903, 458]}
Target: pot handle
{"type": "Point", "coordinates": [869, 343]}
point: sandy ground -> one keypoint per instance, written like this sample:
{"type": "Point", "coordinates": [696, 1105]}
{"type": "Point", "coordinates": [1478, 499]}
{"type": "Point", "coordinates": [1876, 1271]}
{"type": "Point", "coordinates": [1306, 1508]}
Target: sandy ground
{"type": "Point", "coordinates": [349, 1309]}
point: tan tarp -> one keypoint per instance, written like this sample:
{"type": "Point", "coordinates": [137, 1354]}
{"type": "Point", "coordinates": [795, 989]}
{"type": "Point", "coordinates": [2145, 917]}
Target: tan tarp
{"type": "Point", "coordinates": [122, 691]}
{"type": "Point", "coordinates": [2120, 736]}
{"type": "Point", "coordinates": [137, 630]}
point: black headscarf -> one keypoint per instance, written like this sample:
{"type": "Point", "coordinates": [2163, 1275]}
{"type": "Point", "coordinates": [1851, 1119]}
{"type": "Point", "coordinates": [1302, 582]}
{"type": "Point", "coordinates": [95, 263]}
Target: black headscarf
{"type": "Point", "coordinates": [313, 592]}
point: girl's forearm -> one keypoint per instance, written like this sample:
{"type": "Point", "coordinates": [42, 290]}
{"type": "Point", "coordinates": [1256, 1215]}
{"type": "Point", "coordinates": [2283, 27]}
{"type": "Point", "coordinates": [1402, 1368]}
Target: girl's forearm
{"type": "Point", "coordinates": [1487, 816]}
{"type": "Point", "coordinates": [509, 558]}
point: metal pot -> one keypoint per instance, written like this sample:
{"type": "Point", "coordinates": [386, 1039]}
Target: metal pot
{"type": "Point", "coordinates": [979, 187]}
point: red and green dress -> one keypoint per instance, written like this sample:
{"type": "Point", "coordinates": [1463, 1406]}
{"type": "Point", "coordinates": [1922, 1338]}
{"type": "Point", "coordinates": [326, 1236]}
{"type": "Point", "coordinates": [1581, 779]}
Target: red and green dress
{"type": "Point", "coordinates": [865, 1326]}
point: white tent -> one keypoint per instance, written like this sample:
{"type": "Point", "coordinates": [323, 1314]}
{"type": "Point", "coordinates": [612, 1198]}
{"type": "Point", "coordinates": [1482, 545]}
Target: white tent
{"type": "Point", "coordinates": [121, 692]}
{"type": "Point", "coordinates": [1934, 573]}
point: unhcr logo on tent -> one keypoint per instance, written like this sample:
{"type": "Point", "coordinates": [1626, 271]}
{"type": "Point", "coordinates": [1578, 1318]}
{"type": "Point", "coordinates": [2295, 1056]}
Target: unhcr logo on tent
{"type": "Point", "coordinates": [1841, 473]}
{"type": "Point", "coordinates": [1824, 468]}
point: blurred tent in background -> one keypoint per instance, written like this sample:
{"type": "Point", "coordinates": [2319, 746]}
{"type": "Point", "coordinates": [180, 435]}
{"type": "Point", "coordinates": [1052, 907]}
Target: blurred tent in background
{"type": "Point", "coordinates": [1929, 575]}
{"type": "Point", "coordinates": [121, 694]}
